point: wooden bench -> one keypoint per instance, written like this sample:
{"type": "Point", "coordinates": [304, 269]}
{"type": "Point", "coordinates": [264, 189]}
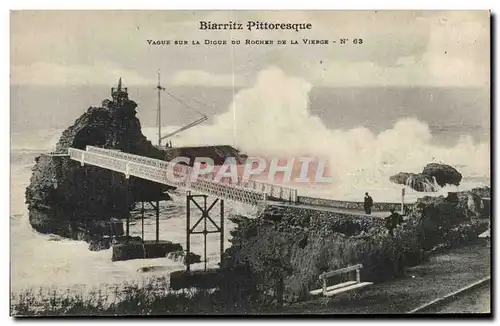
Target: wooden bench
{"type": "Point", "coordinates": [341, 287]}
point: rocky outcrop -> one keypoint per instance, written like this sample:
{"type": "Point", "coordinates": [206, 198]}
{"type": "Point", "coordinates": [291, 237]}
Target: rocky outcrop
{"type": "Point", "coordinates": [67, 199]}
{"type": "Point", "coordinates": [416, 181]}
{"type": "Point", "coordinates": [433, 177]}
{"type": "Point", "coordinates": [477, 201]}
{"type": "Point", "coordinates": [483, 192]}
{"type": "Point", "coordinates": [286, 249]}
{"type": "Point", "coordinates": [443, 174]}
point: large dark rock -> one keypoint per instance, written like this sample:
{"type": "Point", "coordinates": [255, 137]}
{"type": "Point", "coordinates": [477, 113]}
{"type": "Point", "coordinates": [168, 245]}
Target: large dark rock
{"type": "Point", "coordinates": [433, 176]}
{"type": "Point", "coordinates": [63, 196]}
{"type": "Point", "coordinates": [416, 181]}
{"type": "Point", "coordinates": [444, 174]}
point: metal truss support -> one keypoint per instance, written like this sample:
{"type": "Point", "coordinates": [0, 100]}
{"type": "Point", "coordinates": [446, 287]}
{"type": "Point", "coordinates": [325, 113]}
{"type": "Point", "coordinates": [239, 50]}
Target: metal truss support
{"type": "Point", "coordinates": [205, 209]}
{"type": "Point", "coordinates": [156, 207]}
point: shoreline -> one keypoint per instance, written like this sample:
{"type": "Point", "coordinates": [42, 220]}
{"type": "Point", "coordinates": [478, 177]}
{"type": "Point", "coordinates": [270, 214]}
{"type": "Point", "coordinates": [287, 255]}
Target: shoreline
{"type": "Point", "coordinates": [175, 222]}
{"type": "Point", "coordinates": [444, 272]}
{"type": "Point", "coordinates": [122, 269]}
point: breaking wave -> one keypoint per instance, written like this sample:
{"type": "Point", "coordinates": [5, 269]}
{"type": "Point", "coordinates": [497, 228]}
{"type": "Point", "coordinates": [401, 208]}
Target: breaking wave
{"type": "Point", "coordinates": [272, 118]}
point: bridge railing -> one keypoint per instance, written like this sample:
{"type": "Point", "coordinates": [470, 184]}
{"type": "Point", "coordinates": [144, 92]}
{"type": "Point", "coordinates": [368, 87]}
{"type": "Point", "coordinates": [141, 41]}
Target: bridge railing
{"type": "Point", "coordinates": [95, 159]}
{"type": "Point", "coordinates": [112, 160]}
{"type": "Point", "coordinates": [274, 191]}
{"type": "Point", "coordinates": [128, 157]}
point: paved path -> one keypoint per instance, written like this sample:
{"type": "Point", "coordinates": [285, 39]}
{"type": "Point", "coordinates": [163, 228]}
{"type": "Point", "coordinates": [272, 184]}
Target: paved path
{"type": "Point", "coordinates": [478, 301]}
{"type": "Point", "coordinates": [330, 209]}
{"type": "Point", "coordinates": [444, 273]}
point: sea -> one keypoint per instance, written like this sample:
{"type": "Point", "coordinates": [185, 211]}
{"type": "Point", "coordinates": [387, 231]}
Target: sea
{"type": "Point", "coordinates": [367, 134]}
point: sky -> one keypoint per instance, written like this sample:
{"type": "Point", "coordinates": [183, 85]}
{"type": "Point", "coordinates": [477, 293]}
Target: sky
{"type": "Point", "coordinates": [400, 48]}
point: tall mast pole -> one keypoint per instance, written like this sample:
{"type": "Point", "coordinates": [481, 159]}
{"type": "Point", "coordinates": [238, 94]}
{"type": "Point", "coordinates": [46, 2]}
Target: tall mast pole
{"type": "Point", "coordinates": [159, 110]}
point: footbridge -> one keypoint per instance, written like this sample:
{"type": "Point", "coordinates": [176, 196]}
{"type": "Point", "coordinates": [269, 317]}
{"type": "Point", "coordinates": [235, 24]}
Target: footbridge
{"type": "Point", "coordinates": [249, 192]}
{"type": "Point", "coordinates": [199, 189]}
{"type": "Point", "coordinates": [176, 175]}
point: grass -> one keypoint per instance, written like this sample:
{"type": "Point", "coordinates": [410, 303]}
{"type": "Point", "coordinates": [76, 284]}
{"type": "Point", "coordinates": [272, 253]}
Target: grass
{"type": "Point", "coordinates": [151, 297]}
{"type": "Point", "coordinates": [445, 272]}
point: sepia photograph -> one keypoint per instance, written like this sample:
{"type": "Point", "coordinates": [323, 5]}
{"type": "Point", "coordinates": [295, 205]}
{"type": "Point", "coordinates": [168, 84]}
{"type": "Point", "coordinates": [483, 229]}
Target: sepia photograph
{"type": "Point", "coordinates": [236, 162]}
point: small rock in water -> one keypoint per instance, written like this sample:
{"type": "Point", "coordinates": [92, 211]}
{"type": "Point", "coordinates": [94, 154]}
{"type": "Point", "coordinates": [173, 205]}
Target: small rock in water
{"type": "Point", "coordinates": [100, 244]}
{"type": "Point", "coordinates": [147, 269]}
{"type": "Point", "coordinates": [180, 256]}
{"type": "Point", "coordinates": [176, 255]}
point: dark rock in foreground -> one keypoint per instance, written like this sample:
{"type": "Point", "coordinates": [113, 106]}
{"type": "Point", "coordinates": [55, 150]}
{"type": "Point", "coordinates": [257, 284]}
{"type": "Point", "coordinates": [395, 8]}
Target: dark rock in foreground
{"type": "Point", "coordinates": [484, 192]}
{"type": "Point", "coordinates": [433, 176]}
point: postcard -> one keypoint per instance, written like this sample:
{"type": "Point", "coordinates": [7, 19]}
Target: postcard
{"type": "Point", "coordinates": [250, 162]}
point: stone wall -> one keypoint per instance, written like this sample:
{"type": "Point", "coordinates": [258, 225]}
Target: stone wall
{"type": "Point", "coordinates": [377, 206]}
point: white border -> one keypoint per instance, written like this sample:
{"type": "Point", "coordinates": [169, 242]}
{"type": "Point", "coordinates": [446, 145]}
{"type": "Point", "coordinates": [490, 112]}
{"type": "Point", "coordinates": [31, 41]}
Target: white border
{"type": "Point", "coordinates": [247, 4]}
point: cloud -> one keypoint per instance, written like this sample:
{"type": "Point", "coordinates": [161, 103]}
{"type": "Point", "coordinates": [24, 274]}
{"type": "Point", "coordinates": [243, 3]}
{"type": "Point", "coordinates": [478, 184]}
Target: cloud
{"type": "Point", "coordinates": [56, 74]}
{"type": "Point", "coordinates": [400, 48]}
{"type": "Point", "coordinates": [443, 70]}
{"type": "Point", "coordinates": [428, 70]}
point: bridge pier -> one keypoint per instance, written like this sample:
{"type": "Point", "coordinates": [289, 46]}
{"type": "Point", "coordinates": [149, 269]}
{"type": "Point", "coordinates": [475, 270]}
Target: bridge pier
{"type": "Point", "coordinates": [157, 221]}
{"type": "Point", "coordinates": [204, 209]}
{"type": "Point", "coordinates": [155, 206]}
{"type": "Point", "coordinates": [127, 187]}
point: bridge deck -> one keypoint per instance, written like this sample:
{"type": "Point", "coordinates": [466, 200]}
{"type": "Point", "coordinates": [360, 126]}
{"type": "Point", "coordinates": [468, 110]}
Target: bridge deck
{"type": "Point", "coordinates": [176, 175]}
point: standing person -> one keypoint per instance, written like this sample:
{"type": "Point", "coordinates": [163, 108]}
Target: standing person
{"type": "Point", "coordinates": [368, 204]}
{"type": "Point", "coordinates": [393, 220]}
